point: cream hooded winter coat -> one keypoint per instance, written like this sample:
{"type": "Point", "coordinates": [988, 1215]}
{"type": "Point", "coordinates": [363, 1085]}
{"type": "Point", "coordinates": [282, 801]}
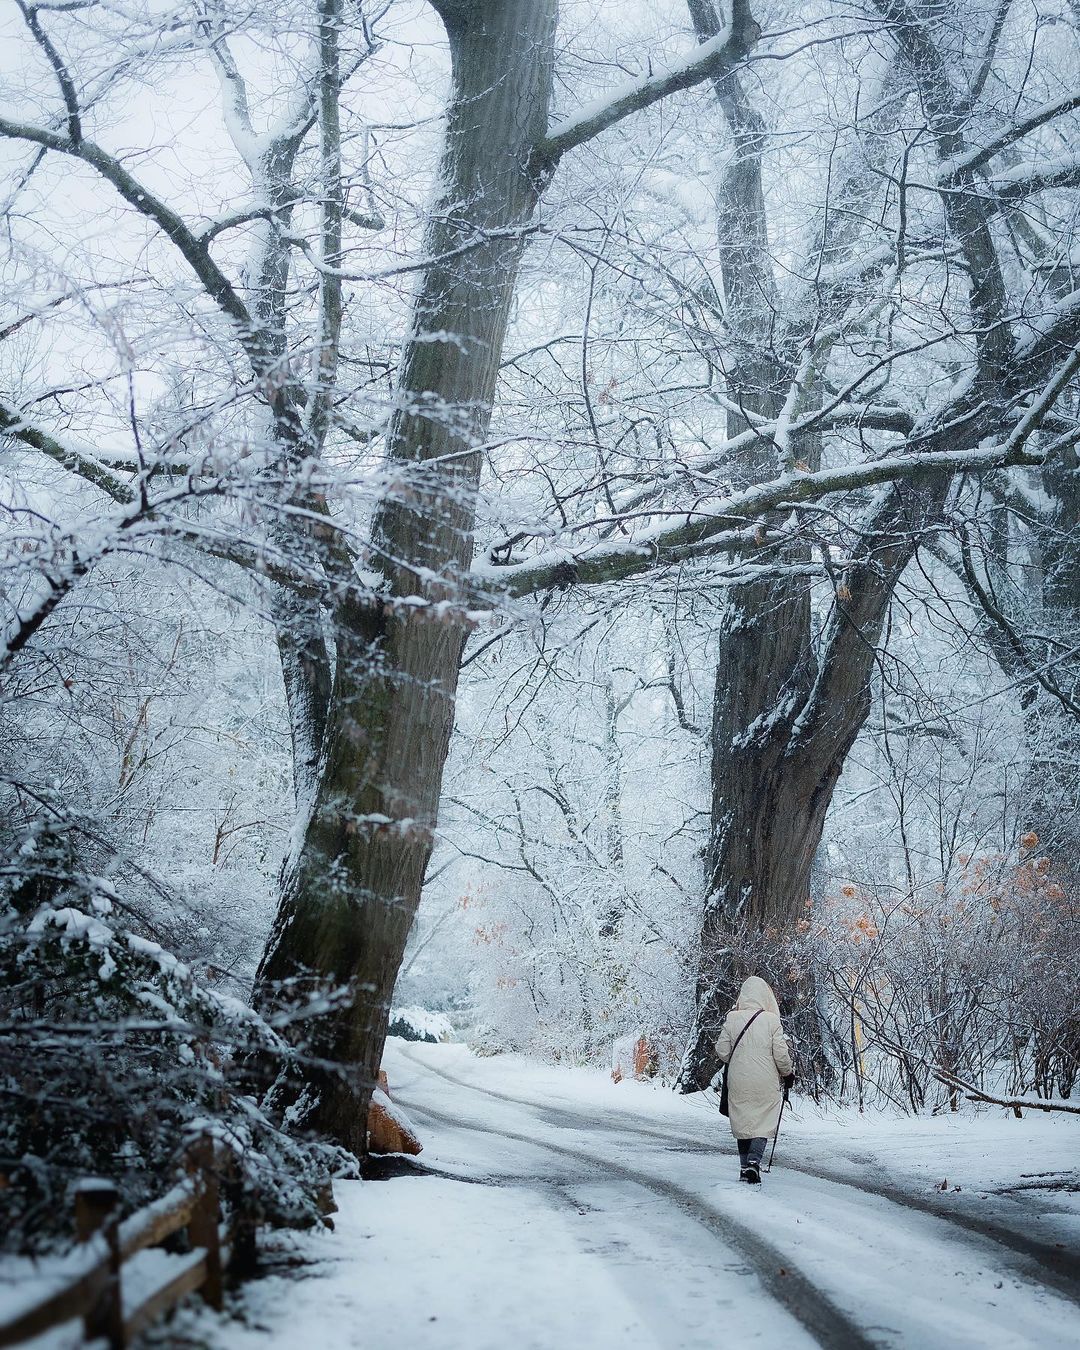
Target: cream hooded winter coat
{"type": "Point", "coordinates": [762, 1059]}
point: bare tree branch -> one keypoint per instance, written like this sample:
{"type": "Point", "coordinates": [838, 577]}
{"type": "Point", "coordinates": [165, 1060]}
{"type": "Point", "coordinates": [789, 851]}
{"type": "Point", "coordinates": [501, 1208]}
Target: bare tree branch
{"type": "Point", "coordinates": [723, 524]}
{"type": "Point", "coordinates": [82, 465]}
{"type": "Point", "coordinates": [192, 248]}
{"type": "Point", "coordinates": [709, 60]}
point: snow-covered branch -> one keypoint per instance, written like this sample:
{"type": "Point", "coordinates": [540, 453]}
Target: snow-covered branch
{"type": "Point", "coordinates": [192, 248]}
{"type": "Point", "coordinates": [708, 60]}
{"type": "Point", "coordinates": [76, 461]}
{"type": "Point", "coordinates": [722, 523]}
{"type": "Point", "coordinates": [954, 169]}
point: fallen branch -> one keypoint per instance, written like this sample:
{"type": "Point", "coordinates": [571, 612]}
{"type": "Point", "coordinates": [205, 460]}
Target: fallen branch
{"type": "Point", "coordinates": [1017, 1104]}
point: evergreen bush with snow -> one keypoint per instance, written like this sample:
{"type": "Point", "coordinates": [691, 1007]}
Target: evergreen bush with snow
{"type": "Point", "coordinates": [115, 1055]}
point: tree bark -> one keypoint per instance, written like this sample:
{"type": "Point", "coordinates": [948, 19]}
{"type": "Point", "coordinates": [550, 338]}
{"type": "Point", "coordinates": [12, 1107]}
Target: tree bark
{"type": "Point", "coordinates": [785, 718]}
{"type": "Point", "coordinates": [349, 904]}
{"type": "Point", "coordinates": [765, 658]}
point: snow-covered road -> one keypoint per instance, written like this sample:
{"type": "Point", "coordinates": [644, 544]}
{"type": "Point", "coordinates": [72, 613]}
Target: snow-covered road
{"type": "Point", "coordinates": [556, 1210]}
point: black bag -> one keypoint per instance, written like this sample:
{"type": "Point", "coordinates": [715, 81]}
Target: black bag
{"type": "Point", "coordinates": [723, 1080]}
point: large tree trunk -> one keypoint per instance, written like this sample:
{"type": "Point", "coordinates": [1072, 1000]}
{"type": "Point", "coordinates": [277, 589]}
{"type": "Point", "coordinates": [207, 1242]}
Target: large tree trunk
{"type": "Point", "coordinates": [783, 722]}
{"type": "Point", "coordinates": [1053, 788]}
{"type": "Point", "coordinates": [765, 659]}
{"type": "Point", "coordinates": [777, 760]}
{"type": "Point", "coordinates": [350, 901]}
{"type": "Point", "coordinates": [1052, 792]}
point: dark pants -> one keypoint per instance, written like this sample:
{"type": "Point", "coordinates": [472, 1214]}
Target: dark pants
{"type": "Point", "coordinates": [751, 1151]}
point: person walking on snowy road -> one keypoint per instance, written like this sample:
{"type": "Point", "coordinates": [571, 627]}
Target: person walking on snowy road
{"type": "Point", "coordinates": [753, 1046]}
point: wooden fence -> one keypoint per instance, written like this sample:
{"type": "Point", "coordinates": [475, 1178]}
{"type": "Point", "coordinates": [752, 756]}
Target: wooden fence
{"type": "Point", "coordinates": [91, 1287]}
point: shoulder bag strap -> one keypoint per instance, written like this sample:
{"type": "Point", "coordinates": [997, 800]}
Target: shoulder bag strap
{"type": "Point", "coordinates": [742, 1033]}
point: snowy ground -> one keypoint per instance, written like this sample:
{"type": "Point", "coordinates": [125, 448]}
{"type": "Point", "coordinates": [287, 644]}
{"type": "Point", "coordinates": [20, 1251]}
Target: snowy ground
{"type": "Point", "coordinates": [554, 1210]}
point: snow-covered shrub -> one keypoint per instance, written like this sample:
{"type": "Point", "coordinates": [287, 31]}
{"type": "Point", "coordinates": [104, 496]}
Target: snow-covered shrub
{"type": "Point", "coordinates": [977, 976]}
{"type": "Point", "coordinates": [161, 749]}
{"type": "Point", "coordinates": [114, 1056]}
{"type": "Point", "coordinates": [417, 1024]}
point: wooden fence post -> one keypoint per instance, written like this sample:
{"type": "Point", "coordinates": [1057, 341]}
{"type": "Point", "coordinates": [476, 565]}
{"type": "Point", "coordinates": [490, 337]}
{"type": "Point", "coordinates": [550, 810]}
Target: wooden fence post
{"type": "Point", "coordinates": [242, 1249]}
{"type": "Point", "coordinates": [95, 1212]}
{"type": "Point", "coordinates": [203, 1229]}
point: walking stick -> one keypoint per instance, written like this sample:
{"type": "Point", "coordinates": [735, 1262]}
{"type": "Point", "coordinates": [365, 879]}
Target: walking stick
{"type": "Point", "coordinates": [776, 1136]}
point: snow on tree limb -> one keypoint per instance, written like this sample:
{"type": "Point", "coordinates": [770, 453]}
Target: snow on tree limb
{"type": "Point", "coordinates": [726, 518]}
{"type": "Point", "coordinates": [192, 248]}
{"type": "Point", "coordinates": [707, 61]}
{"type": "Point", "coordinates": [1015, 1104]}
{"type": "Point", "coordinates": [954, 169]}
{"type": "Point", "coordinates": [75, 461]}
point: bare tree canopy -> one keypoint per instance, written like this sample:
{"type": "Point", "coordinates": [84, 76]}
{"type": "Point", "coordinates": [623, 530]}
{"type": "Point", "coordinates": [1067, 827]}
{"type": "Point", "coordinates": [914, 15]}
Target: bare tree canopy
{"type": "Point", "coordinates": [618, 461]}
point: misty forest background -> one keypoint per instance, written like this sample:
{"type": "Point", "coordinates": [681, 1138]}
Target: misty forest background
{"type": "Point", "coordinates": [529, 513]}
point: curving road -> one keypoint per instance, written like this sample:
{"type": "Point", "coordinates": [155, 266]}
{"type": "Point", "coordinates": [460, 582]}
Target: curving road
{"type": "Point", "coordinates": [821, 1255]}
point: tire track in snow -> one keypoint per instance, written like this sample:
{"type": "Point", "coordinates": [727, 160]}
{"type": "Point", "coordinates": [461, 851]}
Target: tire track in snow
{"type": "Point", "coordinates": [812, 1309]}
{"type": "Point", "coordinates": [696, 1292]}
{"type": "Point", "coordinates": [1058, 1267]}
